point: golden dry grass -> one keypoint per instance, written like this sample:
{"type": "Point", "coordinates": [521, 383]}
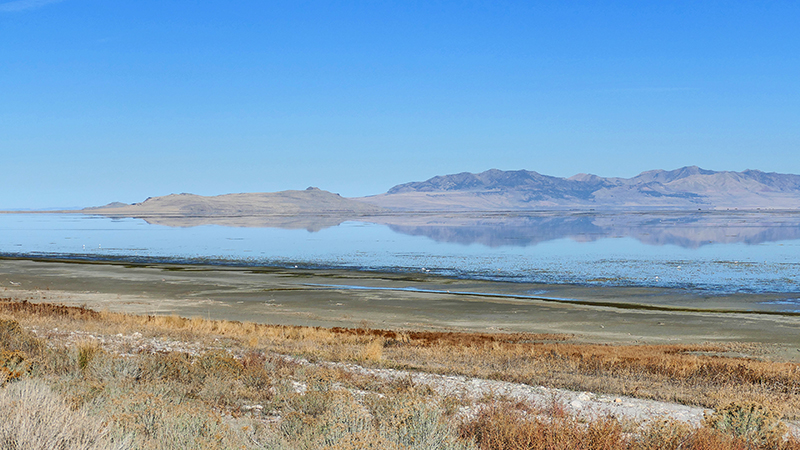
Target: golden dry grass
{"type": "Point", "coordinates": [502, 428]}
{"type": "Point", "coordinates": [170, 399]}
{"type": "Point", "coordinates": [687, 374]}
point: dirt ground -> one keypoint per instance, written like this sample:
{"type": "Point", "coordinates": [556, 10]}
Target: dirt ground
{"type": "Point", "coordinates": [401, 301]}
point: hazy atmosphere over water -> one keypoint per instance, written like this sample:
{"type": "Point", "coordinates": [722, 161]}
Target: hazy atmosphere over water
{"type": "Point", "coordinates": [118, 101]}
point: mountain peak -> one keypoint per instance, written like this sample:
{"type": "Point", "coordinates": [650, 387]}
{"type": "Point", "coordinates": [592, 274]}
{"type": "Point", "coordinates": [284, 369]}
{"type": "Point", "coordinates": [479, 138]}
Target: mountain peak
{"type": "Point", "coordinates": [689, 187]}
{"type": "Point", "coordinates": [667, 176]}
{"type": "Point", "coordinates": [584, 177]}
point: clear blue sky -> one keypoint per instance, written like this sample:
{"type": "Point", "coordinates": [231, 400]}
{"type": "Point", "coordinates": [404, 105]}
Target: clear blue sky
{"type": "Point", "coordinates": [119, 100]}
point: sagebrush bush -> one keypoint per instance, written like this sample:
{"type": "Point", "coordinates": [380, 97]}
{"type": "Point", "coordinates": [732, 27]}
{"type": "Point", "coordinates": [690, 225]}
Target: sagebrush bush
{"type": "Point", "coordinates": [416, 422]}
{"type": "Point", "coordinates": [34, 418]}
{"type": "Point", "coordinates": [749, 421]}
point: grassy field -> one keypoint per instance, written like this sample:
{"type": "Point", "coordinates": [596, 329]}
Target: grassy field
{"type": "Point", "coordinates": [71, 381]}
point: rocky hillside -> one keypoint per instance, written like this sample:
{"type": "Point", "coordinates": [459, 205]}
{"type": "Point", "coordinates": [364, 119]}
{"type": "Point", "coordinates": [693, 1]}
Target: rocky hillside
{"type": "Point", "coordinates": [685, 188]}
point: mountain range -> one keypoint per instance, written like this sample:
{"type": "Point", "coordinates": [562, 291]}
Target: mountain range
{"type": "Point", "coordinates": [519, 207]}
{"type": "Point", "coordinates": [687, 188]}
{"type": "Point", "coordinates": [684, 188]}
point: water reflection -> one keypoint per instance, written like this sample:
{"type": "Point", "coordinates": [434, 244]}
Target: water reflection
{"type": "Point", "coordinates": [311, 223]}
{"type": "Point", "coordinates": [683, 229]}
{"type": "Point", "coordinates": [688, 230]}
{"type": "Point", "coordinates": [551, 248]}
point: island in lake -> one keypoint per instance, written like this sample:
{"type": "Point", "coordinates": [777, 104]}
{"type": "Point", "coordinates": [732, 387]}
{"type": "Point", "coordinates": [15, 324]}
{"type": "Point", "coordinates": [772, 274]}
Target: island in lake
{"type": "Point", "coordinates": [518, 208]}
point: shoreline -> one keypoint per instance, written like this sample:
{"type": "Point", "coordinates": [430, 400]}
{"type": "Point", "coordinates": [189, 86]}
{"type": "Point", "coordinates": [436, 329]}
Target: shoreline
{"type": "Point", "coordinates": [635, 297]}
{"type": "Point", "coordinates": [333, 298]}
{"type": "Point", "coordinates": [656, 252]}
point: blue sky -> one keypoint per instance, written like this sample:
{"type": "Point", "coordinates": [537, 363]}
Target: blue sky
{"type": "Point", "coordinates": [119, 100]}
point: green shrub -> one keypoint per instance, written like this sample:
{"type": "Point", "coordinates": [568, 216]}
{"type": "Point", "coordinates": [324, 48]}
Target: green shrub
{"type": "Point", "coordinates": [749, 421]}
{"type": "Point", "coordinates": [415, 422]}
{"type": "Point", "coordinates": [86, 351]}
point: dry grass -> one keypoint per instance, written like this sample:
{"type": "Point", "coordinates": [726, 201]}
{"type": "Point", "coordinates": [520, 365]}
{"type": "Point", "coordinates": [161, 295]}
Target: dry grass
{"type": "Point", "coordinates": [499, 427]}
{"type": "Point", "coordinates": [36, 418]}
{"type": "Point", "coordinates": [663, 372]}
{"type": "Point", "coordinates": [237, 394]}
{"type": "Point", "coordinates": [502, 427]}
{"type": "Point", "coordinates": [679, 373]}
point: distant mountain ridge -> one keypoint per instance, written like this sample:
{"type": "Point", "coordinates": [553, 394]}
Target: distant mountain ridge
{"type": "Point", "coordinates": [492, 190]}
{"type": "Point", "coordinates": [283, 203]}
{"type": "Point", "coordinates": [687, 187]}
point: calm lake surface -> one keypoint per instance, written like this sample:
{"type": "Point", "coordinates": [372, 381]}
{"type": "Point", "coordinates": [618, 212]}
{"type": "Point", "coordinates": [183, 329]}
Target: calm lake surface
{"type": "Point", "coordinates": [713, 252]}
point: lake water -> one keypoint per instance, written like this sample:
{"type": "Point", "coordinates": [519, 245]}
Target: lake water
{"type": "Point", "coordinates": [711, 252]}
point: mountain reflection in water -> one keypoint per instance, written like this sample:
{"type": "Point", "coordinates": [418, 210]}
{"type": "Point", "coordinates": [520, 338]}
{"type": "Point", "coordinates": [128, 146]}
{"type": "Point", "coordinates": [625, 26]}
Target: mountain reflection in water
{"type": "Point", "coordinates": [713, 252]}
{"type": "Point", "coordinates": [495, 229]}
{"type": "Point", "coordinates": [688, 230]}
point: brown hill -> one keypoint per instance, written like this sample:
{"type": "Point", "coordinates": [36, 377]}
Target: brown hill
{"type": "Point", "coordinates": [312, 201]}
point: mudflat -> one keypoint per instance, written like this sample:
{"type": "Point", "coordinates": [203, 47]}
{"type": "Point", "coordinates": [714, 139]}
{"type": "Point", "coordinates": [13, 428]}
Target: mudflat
{"type": "Point", "coordinates": [402, 301]}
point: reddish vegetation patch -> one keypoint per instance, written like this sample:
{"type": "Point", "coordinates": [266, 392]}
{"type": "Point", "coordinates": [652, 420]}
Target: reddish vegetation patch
{"type": "Point", "coordinates": [430, 338]}
{"type": "Point", "coordinates": [419, 338]}
{"type": "Point", "coordinates": [47, 309]}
